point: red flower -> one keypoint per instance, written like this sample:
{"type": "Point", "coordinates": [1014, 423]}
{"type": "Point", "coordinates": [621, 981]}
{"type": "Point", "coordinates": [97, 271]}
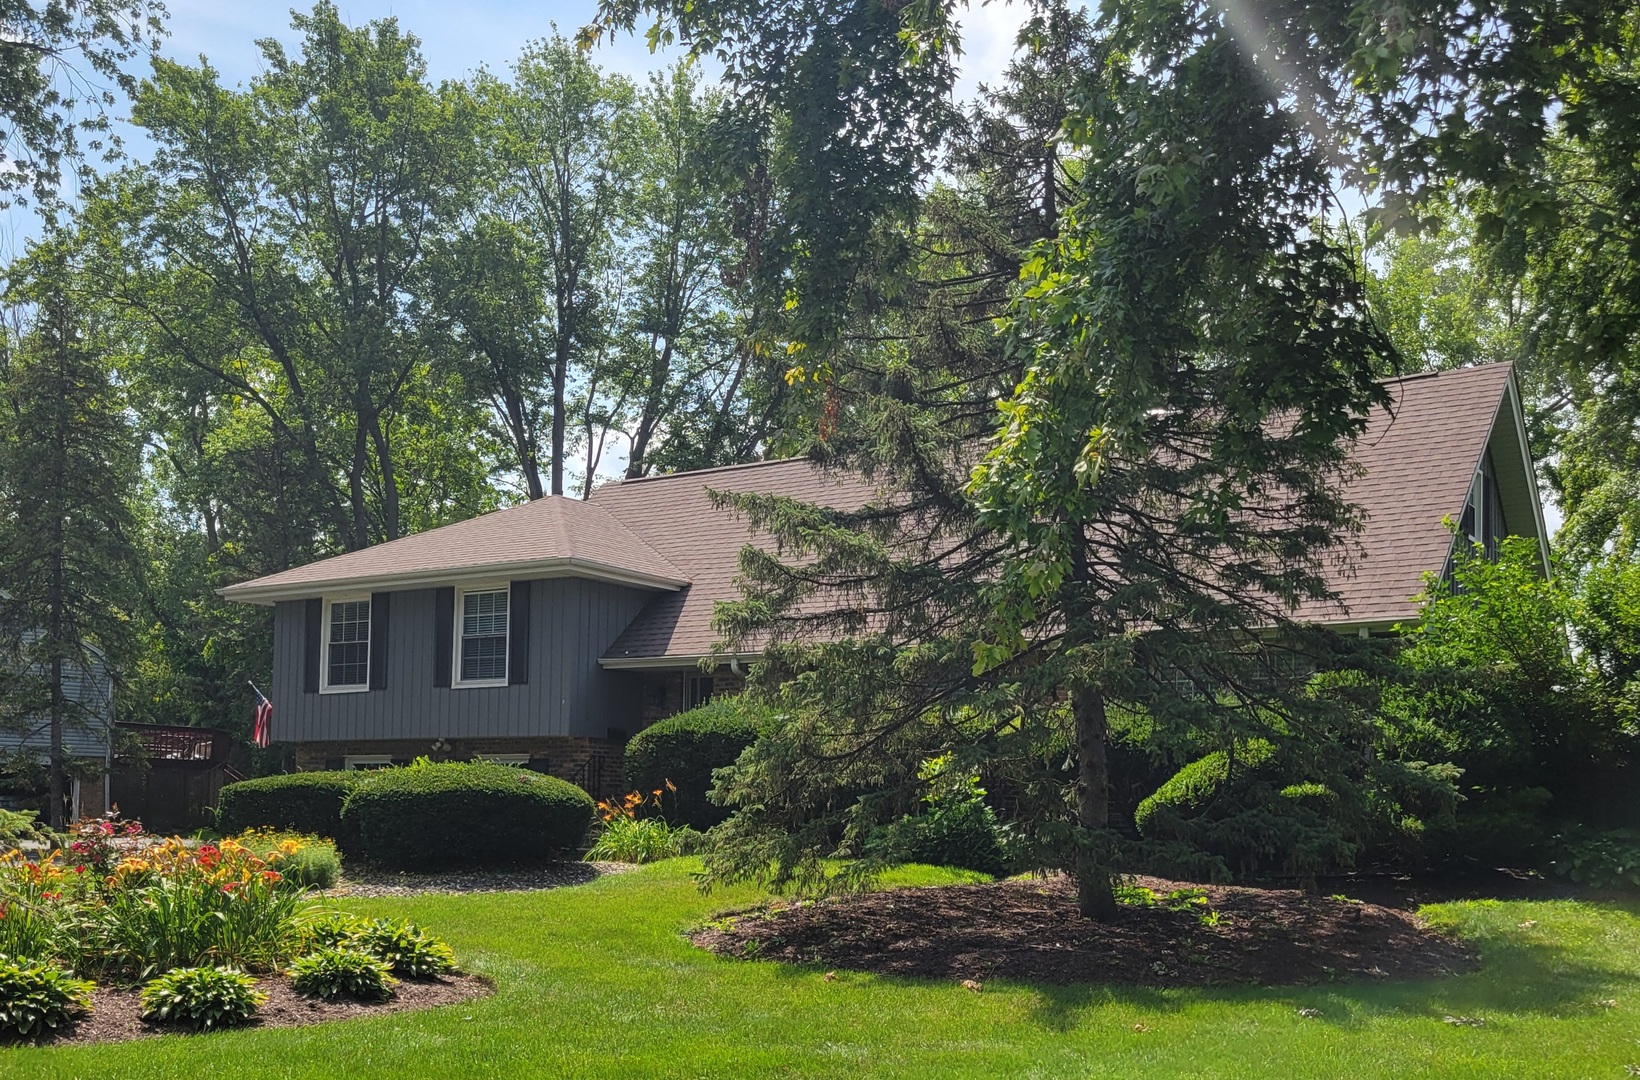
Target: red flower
{"type": "Point", "coordinates": [80, 869]}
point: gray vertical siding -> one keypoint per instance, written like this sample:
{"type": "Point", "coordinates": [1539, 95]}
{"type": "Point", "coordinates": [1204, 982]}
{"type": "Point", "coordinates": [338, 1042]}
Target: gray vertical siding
{"type": "Point", "coordinates": [86, 734]}
{"type": "Point", "coordinates": [572, 623]}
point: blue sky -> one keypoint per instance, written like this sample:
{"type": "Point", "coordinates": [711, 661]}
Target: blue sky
{"type": "Point", "coordinates": [457, 38]}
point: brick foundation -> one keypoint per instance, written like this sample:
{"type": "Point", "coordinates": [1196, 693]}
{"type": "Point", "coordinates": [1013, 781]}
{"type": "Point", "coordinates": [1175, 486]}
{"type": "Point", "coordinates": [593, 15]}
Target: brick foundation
{"type": "Point", "coordinates": [593, 764]}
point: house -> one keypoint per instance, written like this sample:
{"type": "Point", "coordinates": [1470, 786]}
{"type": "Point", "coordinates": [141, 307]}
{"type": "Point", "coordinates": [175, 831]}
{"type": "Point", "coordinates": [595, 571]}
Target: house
{"type": "Point", "coordinates": [87, 740]}
{"type": "Point", "coordinates": [546, 633]}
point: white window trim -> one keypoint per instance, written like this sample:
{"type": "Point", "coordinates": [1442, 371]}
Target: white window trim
{"type": "Point", "coordinates": [456, 680]}
{"type": "Point", "coordinates": [353, 761]}
{"type": "Point", "coordinates": [324, 647]}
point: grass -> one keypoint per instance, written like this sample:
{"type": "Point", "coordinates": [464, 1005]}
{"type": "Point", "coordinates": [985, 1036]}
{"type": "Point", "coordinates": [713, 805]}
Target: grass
{"type": "Point", "coordinates": [596, 981]}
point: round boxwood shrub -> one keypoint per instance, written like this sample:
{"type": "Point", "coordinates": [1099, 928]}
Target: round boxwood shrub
{"type": "Point", "coordinates": [304, 802]}
{"type": "Point", "coordinates": [684, 750]}
{"type": "Point", "coordinates": [465, 813]}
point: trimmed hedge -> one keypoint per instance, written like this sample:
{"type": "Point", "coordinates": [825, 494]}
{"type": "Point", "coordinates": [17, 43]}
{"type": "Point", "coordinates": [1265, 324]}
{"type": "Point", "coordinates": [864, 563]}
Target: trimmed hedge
{"type": "Point", "coordinates": [1194, 786]}
{"type": "Point", "coordinates": [305, 802]}
{"type": "Point", "coordinates": [465, 813]}
{"type": "Point", "coordinates": [685, 749]}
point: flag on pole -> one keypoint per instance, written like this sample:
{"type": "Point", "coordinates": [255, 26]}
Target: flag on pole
{"type": "Point", "coordinates": [260, 729]}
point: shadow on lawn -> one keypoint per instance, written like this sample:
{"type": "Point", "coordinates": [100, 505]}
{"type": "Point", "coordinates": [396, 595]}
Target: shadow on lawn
{"type": "Point", "coordinates": [1517, 977]}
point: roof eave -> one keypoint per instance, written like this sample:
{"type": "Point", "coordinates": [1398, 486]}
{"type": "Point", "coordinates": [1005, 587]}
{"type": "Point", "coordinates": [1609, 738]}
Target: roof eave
{"type": "Point", "coordinates": [250, 592]}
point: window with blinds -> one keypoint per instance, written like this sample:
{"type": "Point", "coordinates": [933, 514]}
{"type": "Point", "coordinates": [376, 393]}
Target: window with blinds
{"type": "Point", "coordinates": [482, 642]}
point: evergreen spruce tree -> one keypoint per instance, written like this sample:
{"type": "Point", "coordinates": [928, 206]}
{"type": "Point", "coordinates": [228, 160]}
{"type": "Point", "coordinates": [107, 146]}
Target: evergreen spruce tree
{"type": "Point", "coordinates": [69, 465]}
{"type": "Point", "coordinates": [1182, 372]}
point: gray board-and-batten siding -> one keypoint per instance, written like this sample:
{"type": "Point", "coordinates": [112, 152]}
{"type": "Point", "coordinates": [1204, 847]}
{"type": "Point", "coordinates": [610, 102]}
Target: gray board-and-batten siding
{"type": "Point", "coordinates": [572, 621]}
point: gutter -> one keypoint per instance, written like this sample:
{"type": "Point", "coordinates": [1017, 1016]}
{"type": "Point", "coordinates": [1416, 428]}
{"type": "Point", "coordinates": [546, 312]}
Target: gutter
{"type": "Point", "coordinates": [250, 592]}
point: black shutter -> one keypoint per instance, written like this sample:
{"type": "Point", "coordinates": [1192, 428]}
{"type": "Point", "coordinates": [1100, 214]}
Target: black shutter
{"type": "Point", "coordinates": [444, 625]}
{"type": "Point", "coordinates": [379, 607]}
{"type": "Point", "coordinates": [314, 628]}
{"type": "Point", "coordinates": [518, 635]}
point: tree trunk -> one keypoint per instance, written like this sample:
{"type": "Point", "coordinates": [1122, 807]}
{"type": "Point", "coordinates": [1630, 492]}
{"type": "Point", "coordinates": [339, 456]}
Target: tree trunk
{"type": "Point", "coordinates": [1095, 897]}
{"type": "Point", "coordinates": [59, 784]}
{"type": "Point", "coordinates": [390, 481]}
{"type": "Point", "coordinates": [560, 375]}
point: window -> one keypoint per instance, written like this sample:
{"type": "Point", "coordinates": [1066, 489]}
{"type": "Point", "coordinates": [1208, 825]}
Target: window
{"type": "Point", "coordinates": [347, 645]}
{"type": "Point", "coordinates": [367, 761]}
{"type": "Point", "coordinates": [697, 690]}
{"type": "Point", "coordinates": [481, 638]}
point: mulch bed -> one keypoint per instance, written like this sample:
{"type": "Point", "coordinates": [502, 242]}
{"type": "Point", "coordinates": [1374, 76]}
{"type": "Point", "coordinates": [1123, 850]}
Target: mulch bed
{"type": "Point", "coordinates": [369, 882]}
{"type": "Point", "coordinates": [1030, 931]}
{"type": "Point", "coordinates": [116, 1015]}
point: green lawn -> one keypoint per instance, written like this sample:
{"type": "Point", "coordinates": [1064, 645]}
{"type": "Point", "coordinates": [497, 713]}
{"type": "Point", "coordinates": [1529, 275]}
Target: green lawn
{"type": "Point", "coordinates": [596, 981]}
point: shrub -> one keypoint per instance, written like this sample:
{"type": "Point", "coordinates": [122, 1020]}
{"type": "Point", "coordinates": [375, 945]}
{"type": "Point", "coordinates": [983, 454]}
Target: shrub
{"type": "Point", "coordinates": [685, 749]}
{"type": "Point", "coordinates": [1194, 786]}
{"type": "Point", "coordinates": [405, 947]}
{"type": "Point", "coordinates": [21, 826]}
{"type": "Point", "coordinates": [348, 972]}
{"type": "Point", "coordinates": [465, 813]}
{"type": "Point", "coordinates": [309, 803]}
{"type": "Point", "coordinates": [1598, 859]}
{"type": "Point", "coordinates": [201, 997]}
{"type": "Point", "coordinates": [35, 996]}
{"type": "Point", "coordinates": [957, 828]}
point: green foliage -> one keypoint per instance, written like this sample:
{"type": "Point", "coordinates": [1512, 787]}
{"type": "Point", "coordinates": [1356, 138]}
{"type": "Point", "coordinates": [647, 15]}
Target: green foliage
{"type": "Point", "coordinates": [17, 826]}
{"type": "Point", "coordinates": [36, 996]}
{"type": "Point", "coordinates": [201, 998]}
{"type": "Point", "coordinates": [955, 828]}
{"type": "Point", "coordinates": [1197, 784]}
{"type": "Point", "coordinates": [342, 972]}
{"type": "Point", "coordinates": [62, 64]}
{"type": "Point", "coordinates": [69, 456]}
{"type": "Point", "coordinates": [332, 929]}
{"type": "Point", "coordinates": [678, 756]}
{"type": "Point", "coordinates": [404, 947]}
{"type": "Point", "coordinates": [155, 918]}
{"type": "Point", "coordinates": [303, 861]}
{"type": "Point", "coordinates": [465, 814]}
{"type": "Point", "coordinates": [642, 840]}
{"type": "Point", "coordinates": [308, 803]}
{"type": "Point", "coordinates": [1598, 859]}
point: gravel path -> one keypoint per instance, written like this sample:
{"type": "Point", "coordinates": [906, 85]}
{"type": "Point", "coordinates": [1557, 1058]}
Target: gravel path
{"type": "Point", "coordinates": [369, 883]}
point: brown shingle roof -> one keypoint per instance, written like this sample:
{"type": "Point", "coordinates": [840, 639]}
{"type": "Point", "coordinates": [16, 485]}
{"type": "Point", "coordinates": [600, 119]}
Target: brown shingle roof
{"type": "Point", "coordinates": [551, 536]}
{"type": "Point", "coordinates": [1419, 460]}
{"type": "Point", "coordinates": [676, 514]}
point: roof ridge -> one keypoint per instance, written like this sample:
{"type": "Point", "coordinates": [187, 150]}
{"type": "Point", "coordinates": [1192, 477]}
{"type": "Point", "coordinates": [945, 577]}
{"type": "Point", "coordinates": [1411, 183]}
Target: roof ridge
{"type": "Point", "coordinates": [1464, 369]}
{"type": "Point", "coordinates": [629, 481]}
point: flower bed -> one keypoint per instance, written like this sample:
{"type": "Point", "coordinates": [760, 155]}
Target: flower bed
{"type": "Point", "coordinates": [196, 924]}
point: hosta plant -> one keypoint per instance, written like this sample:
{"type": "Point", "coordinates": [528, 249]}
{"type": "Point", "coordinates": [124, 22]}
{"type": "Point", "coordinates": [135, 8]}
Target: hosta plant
{"type": "Point", "coordinates": [201, 998]}
{"type": "Point", "coordinates": [334, 928]}
{"type": "Point", "coordinates": [37, 997]}
{"type": "Point", "coordinates": [405, 947]}
{"type": "Point", "coordinates": [341, 971]}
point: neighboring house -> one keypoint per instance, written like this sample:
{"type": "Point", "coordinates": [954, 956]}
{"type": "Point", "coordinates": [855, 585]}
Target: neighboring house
{"type": "Point", "coordinates": [87, 736]}
{"type": "Point", "coordinates": [547, 633]}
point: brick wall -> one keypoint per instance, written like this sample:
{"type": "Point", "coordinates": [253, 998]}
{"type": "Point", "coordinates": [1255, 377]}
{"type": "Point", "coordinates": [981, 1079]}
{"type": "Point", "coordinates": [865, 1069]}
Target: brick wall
{"type": "Point", "coordinates": [594, 764]}
{"type": "Point", "coordinates": [662, 694]}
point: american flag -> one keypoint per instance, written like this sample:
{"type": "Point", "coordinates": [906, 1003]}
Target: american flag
{"type": "Point", "coordinates": [260, 733]}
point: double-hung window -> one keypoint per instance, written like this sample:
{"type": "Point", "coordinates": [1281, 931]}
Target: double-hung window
{"type": "Point", "coordinates": [481, 638]}
{"type": "Point", "coordinates": [347, 645]}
